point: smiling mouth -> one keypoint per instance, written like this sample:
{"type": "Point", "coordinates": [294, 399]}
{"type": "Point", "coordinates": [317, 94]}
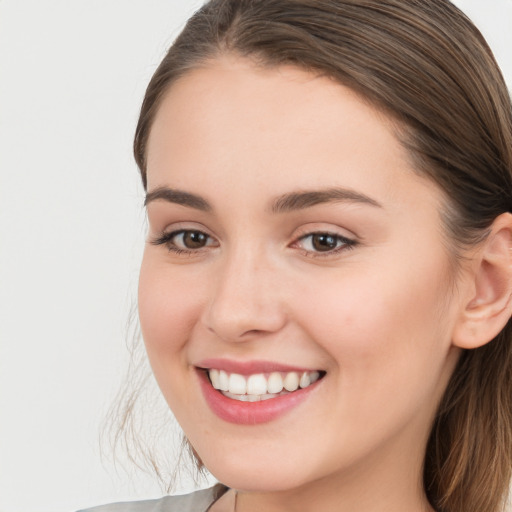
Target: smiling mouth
{"type": "Point", "coordinates": [260, 386]}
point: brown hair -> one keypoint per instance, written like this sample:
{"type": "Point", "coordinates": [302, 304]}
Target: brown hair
{"type": "Point", "coordinates": [425, 64]}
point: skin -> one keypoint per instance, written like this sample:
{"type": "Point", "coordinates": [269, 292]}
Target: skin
{"type": "Point", "coordinates": [378, 317]}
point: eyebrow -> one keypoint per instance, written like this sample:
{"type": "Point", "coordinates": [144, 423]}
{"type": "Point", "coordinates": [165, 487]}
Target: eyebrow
{"type": "Point", "coordinates": [302, 200]}
{"type": "Point", "coordinates": [289, 202]}
{"type": "Point", "coordinates": [178, 197]}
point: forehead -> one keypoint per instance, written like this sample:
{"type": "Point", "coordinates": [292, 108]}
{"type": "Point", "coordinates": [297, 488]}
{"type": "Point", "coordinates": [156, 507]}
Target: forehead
{"type": "Point", "coordinates": [255, 96]}
{"type": "Point", "coordinates": [234, 124]}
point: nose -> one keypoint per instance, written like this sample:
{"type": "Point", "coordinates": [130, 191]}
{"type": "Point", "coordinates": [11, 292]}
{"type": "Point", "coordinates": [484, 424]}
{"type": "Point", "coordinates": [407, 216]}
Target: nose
{"type": "Point", "coordinates": [246, 299]}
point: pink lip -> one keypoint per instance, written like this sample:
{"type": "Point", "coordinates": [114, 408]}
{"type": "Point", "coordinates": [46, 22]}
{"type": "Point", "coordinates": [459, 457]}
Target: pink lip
{"type": "Point", "coordinates": [249, 367]}
{"type": "Point", "coordinates": [250, 413]}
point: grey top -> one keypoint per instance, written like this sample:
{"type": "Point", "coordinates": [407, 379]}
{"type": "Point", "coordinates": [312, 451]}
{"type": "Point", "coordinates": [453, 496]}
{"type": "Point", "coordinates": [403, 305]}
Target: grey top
{"type": "Point", "coordinates": [199, 501]}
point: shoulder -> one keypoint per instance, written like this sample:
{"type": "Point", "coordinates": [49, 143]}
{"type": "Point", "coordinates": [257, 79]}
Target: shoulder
{"type": "Point", "coordinates": [198, 501]}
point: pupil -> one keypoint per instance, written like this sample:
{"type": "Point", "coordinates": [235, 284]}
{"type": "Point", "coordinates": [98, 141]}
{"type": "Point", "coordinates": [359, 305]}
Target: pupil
{"type": "Point", "coordinates": [324, 242]}
{"type": "Point", "coordinates": [194, 239]}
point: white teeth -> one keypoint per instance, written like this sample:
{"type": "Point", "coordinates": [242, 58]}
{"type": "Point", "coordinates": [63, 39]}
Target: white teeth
{"type": "Point", "coordinates": [291, 381]}
{"type": "Point", "coordinates": [258, 387]}
{"type": "Point", "coordinates": [305, 381]}
{"type": "Point", "coordinates": [251, 398]}
{"type": "Point", "coordinates": [214, 377]}
{"type": "Point", "coordinates": [237, 384]}
{"type": "Point", "coordinates": [275, 383]}
{"type": "Point", "coordinates": [269, 395]}
{"type": "Point", "coordinates": [223, 381]}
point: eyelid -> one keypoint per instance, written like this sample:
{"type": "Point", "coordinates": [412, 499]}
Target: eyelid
{"type": "Point", "coordinates": [166, 238]}
{"type": "Point", "coordinates": [174, 227]}
{"type": "Point", "coordinates": [312, 228]}
{"type": "Point", "coordinates": [348, 242]}
{"type": "Point", "coordinates": [343, 241]}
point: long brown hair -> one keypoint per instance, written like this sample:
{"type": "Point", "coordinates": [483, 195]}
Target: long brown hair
{"type": "Point", "coordinates": [426, 65]}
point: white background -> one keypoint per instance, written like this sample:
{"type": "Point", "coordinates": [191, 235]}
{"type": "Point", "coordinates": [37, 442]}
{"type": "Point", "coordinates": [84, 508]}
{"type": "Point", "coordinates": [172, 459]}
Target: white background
{"type": "Point", "coordinates": [72, 76]}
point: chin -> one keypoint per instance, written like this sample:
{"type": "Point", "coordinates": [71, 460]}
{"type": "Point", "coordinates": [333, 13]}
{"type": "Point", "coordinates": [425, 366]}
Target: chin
{"type": "Point", "coordinates": [248, 480]}
{"type": "Point", "coordinates": [256, 473]}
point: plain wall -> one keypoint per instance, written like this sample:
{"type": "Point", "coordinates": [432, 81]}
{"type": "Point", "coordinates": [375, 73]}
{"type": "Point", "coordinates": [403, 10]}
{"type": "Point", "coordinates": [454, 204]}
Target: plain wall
{"type": "Point", "coordinates": [72, 76]}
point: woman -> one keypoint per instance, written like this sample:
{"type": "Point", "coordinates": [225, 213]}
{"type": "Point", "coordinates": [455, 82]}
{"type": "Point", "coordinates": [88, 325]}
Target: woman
{"type": "Point", "coordinates": [325, 295]}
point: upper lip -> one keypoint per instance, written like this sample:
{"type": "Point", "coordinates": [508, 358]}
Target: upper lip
{"type": "Point", "coordinates": [249, 367]}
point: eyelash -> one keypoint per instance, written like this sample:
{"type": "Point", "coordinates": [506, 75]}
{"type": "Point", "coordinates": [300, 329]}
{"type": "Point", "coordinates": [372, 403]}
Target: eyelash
{"type": "Point", "coordinates": [167, 240]}
{"type": "Point", "coordinates": [346, 243]}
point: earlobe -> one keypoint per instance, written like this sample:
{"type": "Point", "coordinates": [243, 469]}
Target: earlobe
{"type": "Point", "coordinates": [488, 307]}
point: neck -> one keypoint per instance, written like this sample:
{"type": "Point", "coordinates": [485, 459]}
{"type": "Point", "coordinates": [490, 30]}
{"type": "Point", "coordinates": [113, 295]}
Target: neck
{"type": "Point", "coordinates": [379, 485]}
{"type": "Point", "coordinates": [312, 500]}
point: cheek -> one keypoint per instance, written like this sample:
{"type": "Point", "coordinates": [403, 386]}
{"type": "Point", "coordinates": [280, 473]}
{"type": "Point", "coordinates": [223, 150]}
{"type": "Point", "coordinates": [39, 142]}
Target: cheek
{"type": "Point", "coordinates": [386, 317]}
{"type": "Point", "coordinates": [169, 308]}
{"type": "Point", "coordinates": [169, 305]}
{"type": "Point", "coordinates": [387, 344]}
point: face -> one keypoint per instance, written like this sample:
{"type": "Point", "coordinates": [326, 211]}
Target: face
{"type": "Point", "coordinates": [292, 244]}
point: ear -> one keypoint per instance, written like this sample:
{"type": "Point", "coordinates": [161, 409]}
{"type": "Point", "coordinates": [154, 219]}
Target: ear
{"type": "Point", "coordinates": [487, 306]}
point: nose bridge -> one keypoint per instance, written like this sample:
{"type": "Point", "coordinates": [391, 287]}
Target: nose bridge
{"type": "Point", "coordinates": [245, 300]}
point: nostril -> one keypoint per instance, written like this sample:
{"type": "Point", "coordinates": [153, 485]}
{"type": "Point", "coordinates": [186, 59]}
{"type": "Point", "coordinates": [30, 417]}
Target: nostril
{"type": "Point", "coordinates": [243, 324]}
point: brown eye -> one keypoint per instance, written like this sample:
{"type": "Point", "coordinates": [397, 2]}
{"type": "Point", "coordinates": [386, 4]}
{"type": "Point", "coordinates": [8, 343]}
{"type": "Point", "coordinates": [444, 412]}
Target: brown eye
{"type": "Point", "coordinates": [193, 239]}
{"type": "Point", "coordinates": [322, 242]}
{"type": "Point", "coordinates": [186, 241]}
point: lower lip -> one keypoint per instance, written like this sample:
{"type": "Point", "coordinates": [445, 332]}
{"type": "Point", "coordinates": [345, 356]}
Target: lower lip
{"type": "Point", "coordinates": [250, 413]}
